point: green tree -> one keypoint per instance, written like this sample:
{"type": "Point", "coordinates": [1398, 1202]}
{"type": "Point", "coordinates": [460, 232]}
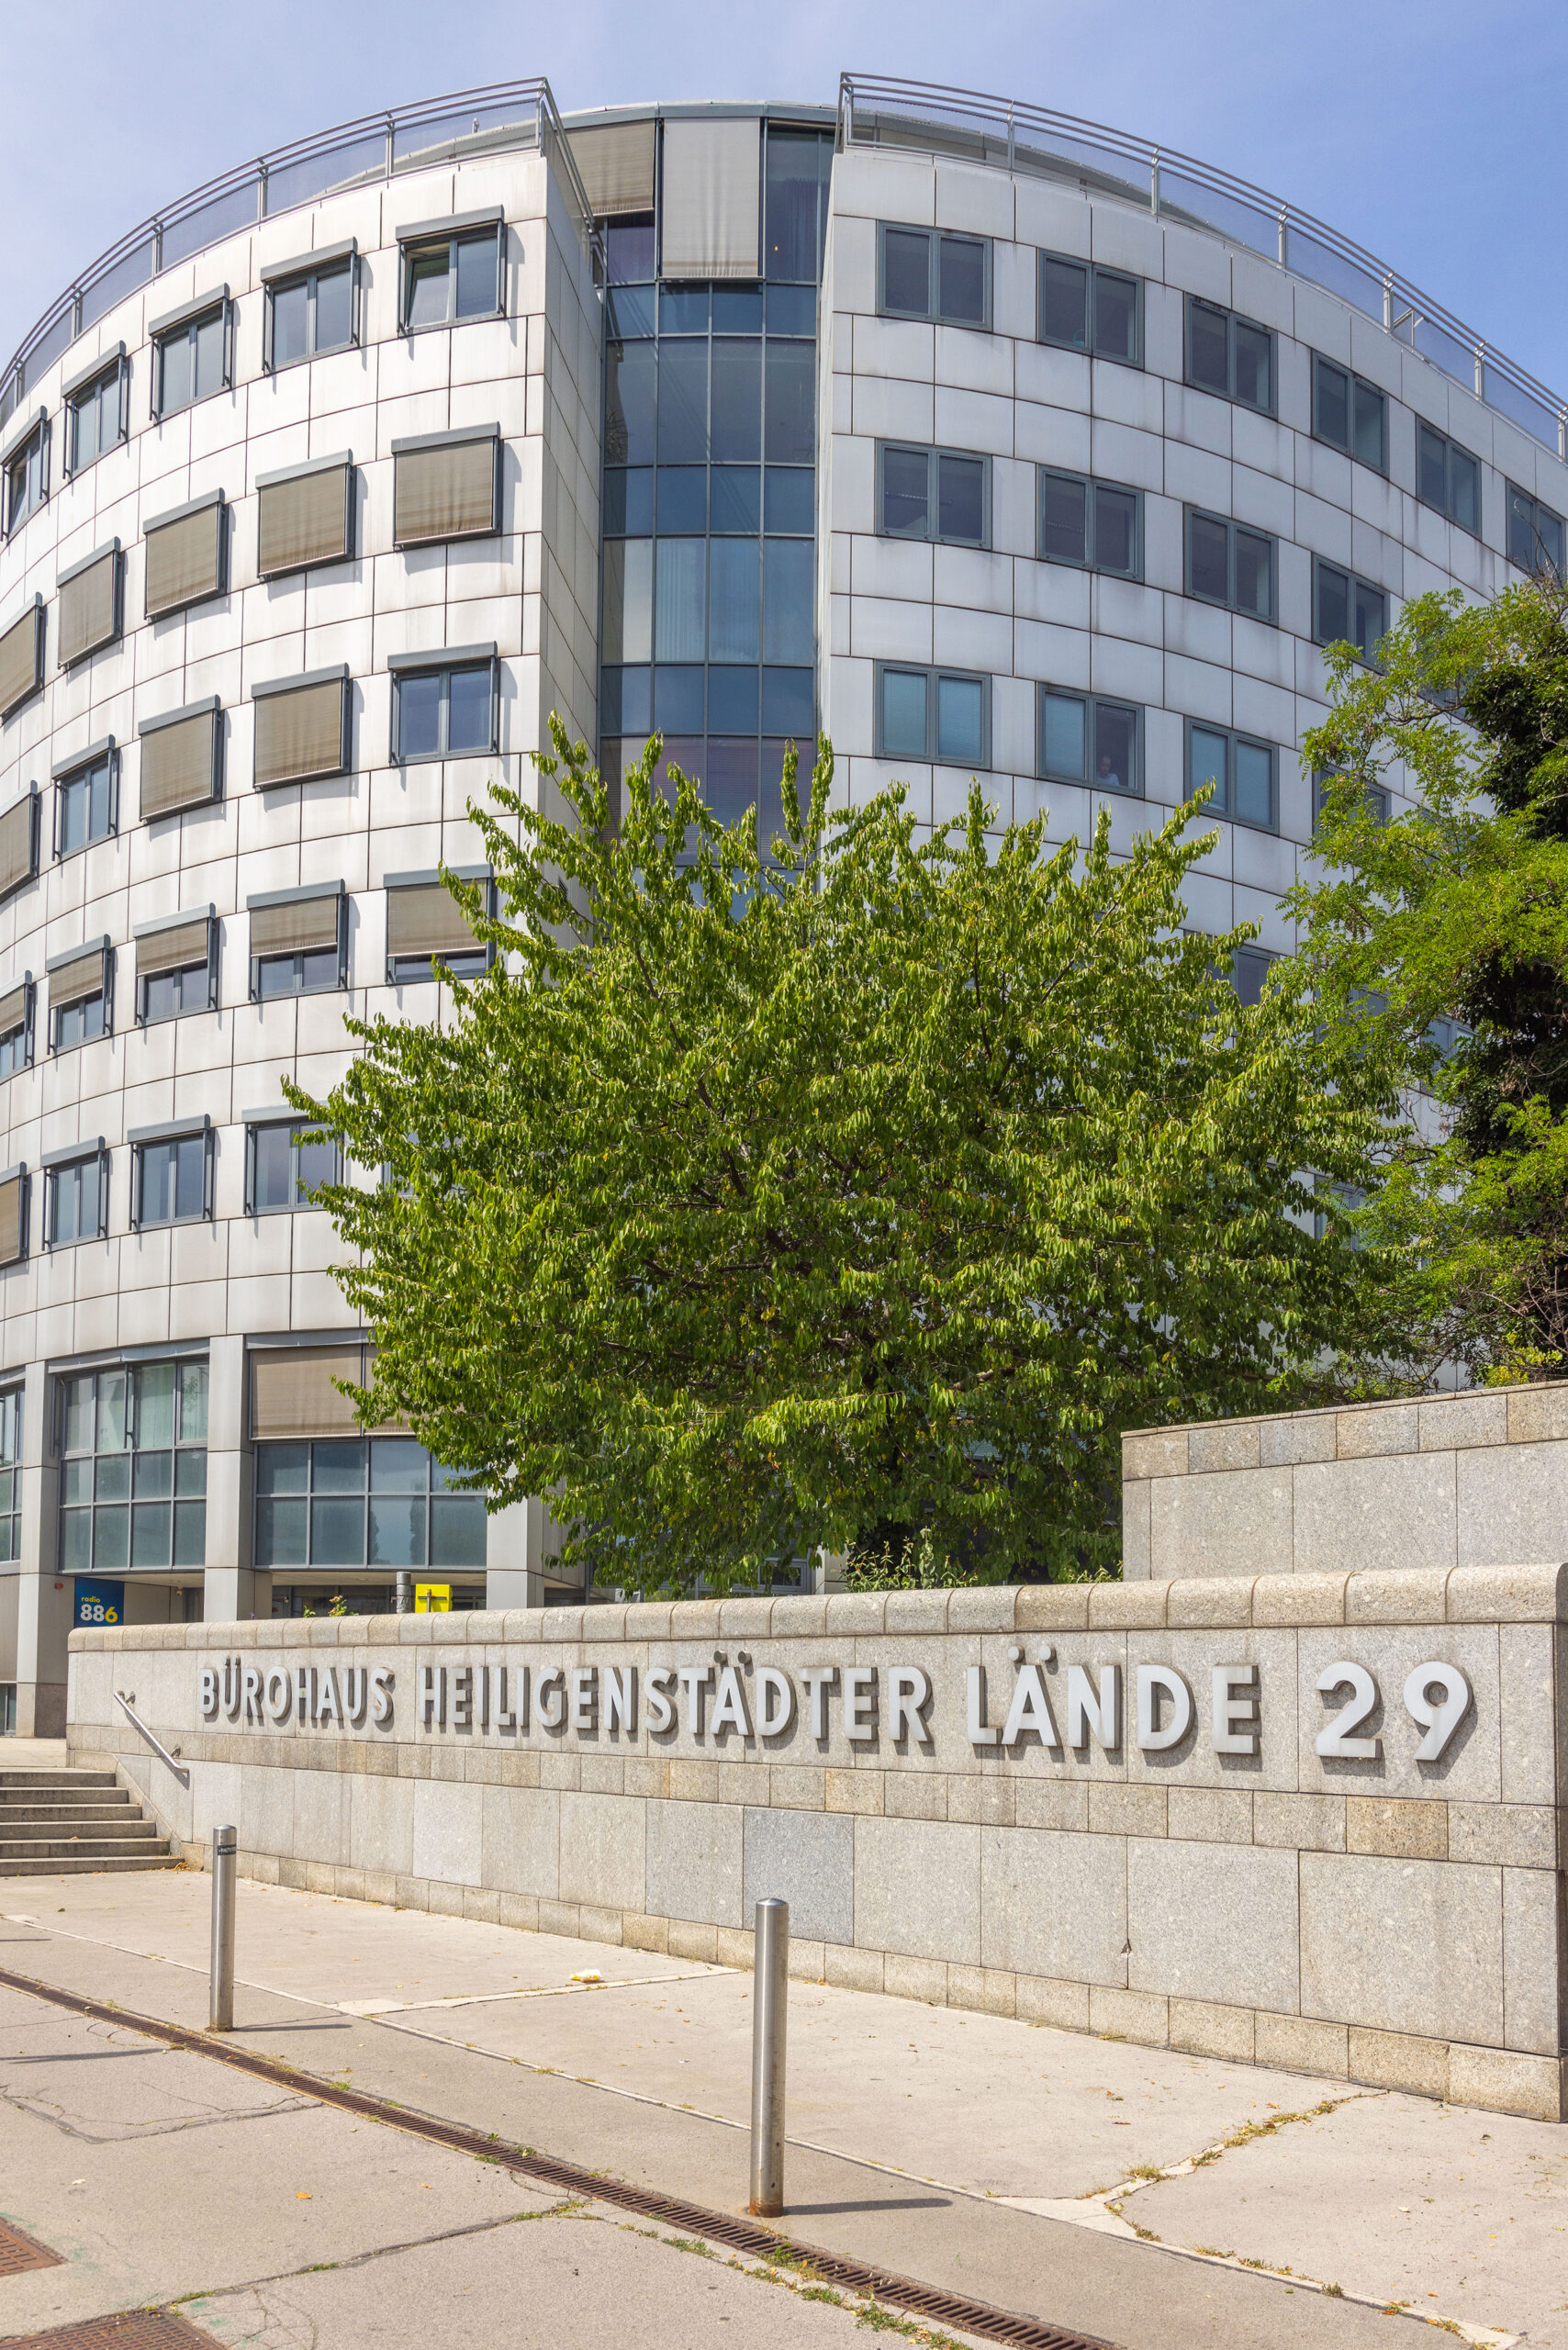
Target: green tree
{"type": "Point", "coordinates": [866, 1189]}
{"type": "Point", "coordinates": [1457, 915]}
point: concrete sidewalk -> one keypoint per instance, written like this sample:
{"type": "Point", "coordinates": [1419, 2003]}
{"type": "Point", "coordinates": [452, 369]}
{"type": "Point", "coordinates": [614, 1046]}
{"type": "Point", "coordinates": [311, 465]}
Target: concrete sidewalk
{"type": "Point", "coordinates": [1062, 2174]}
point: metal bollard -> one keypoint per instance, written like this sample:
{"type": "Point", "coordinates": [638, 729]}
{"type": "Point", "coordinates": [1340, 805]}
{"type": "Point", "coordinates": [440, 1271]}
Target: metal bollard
{"type": "Point", "coordinates": [220, 1994]}
{"type": "Point", "coordinates": [770, 1993]}
{"type": "Point", "coordinates": [404, 1603]}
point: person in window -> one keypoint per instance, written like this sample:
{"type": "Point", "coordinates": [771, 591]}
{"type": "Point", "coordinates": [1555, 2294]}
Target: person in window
{"type": "Point", "coordinates": [1106, 776]}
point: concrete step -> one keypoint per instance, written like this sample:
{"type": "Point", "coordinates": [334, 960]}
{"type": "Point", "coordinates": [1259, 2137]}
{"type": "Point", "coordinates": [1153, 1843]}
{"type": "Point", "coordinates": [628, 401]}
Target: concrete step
{"type": "Point", "coordinates": [103, 1847]}
{"type": "Point", "coordinates": [80, 1864]}
{"type": "Point", "coordinates": [113, 1829]}
{"type": "Point", "coordinates": [64, 1798]}
{"type": "Point", "coordinates": [16, 1820]}
{"type": "Point", "coordinates": [57, 1778]}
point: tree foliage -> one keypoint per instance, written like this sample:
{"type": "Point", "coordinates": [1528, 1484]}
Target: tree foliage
{"type": "Point", "coordinates": [866, 1188]}
{"type": "Point", "coordinates": [1457, 913]}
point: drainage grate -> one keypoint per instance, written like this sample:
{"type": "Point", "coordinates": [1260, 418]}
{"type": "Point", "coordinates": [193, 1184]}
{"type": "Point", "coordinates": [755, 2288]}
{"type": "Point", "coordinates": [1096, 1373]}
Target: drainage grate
{"type": "Point", "coordinates": [129, 2330]}
{"type": "Point", "coordinates": [19, 2252]}
{"type": "Point", "coordinates": [720, 2227]}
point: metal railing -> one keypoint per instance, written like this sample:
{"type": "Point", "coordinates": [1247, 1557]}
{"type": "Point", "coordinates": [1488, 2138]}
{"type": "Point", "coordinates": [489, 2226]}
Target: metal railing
{"type": "Point", "coordinates": [127, 1705]}
{"type": "Point", "coordinates": [376, 146]}
{"type": "Point", "coordinates": [1016, 136]}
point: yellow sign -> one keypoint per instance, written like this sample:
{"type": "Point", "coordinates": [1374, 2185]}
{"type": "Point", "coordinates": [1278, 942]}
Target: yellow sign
{"type": "Point", "coordinates": [432, 1599]}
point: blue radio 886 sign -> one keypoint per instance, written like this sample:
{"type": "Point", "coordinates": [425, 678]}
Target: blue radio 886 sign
{"type": "Point", "coordinates": [98, 1602]}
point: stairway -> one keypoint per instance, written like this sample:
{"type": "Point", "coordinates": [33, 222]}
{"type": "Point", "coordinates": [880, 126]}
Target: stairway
{"type": "Point", "coordinates": [66, 1823]}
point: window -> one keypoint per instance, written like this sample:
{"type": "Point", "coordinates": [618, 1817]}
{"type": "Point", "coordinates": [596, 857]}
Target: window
{"type": "Point", "coordinates": [188, 555]}
{"type": "Point", "coordinates": [311, 306]}
{"type": "Point", "coordinates": [444, 713]}
{"type": "Point", "coordinates": [452, 271]}
{"type": "Point", "coordinates": [1085, 307]}
{"type": "Point", "coordinates": [425, 925]}
{"type": "Point", "coordinates": [928, 274]}
{"type": "Point", "coordinates": [1448, 477]}
{"type": "Point", "coordinates": [446, 486]}
{"type": "Point", "coordinates": [1350, 414]}
{"type": "Point", "coordinates": [19, 843]}
{"type": "Point", "coordinates": [11, 1473]}
{"type": "Point", "coordinates": [190, 355]}
{"type": "Point", "coordinates": [27, 477]}
{"type": "Point", "coordinates": [939, 714]}
{"type": "Point", "coordinates": [303, 727]}
{"type": "Point", "coordinates": [363, 1501]}
{"type": "Point", "coordinates": [16, 1198]}
{"type": "Point", "coordinates": [1377, 799]}
{"type": "Point", "coordinates": [17, 1028]}
{"type": "Point", "coordinates": [937, 493]}
{"type": "Point", "coordinates": [1230, 355]}
{"type": "Point", "coordinates": [1084, 738]}
{"type": "Point", "coordinates": [1242, 770]}
{"type": "Point", "coordinates": [86, 800]}
{"type": "Point", "coordinates": [77, 1204]}
{"type": "Point", "coordinates": [1249, 967]}
{"type": "Point", "coordinates": [1096, 524]}
{"type": "Point", "coordinates": [305, 516]}
{"type": "Point", "coordinates": [1535, 533]}
{"type": "Point", "coordinates": [21, 657]}
{"type": "Point", "coordinates": [298, 942]}
{"type": "Point", "coordinates": [171, 1174]}
{"type": "Point", "coordinates": [133, 1468]}
{"type": "Point", "coordinates": [176, 968]}
{"type": "Point", "coordinates": [1228, 563]}
{"type": "Point", "coordinates": [285, 1162]}
{"type": "Point", "coordinates": [1348, 611]}
{"type": "Point", "coordinates": [80, 1000]}
{"type": "Point", "coordinates": [96, 414]}
{"type": "Point", "coordinates": [91, 604]}
{"type": "Point", "coordinates": [797, 165]}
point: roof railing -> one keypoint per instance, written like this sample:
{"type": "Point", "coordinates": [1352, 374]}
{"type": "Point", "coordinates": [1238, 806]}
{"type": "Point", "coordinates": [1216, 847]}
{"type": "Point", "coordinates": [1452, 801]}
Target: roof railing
{"type": "Point", "coordinates": [376, 146]}
{"type": "Point", "coordinates": [873, 110]}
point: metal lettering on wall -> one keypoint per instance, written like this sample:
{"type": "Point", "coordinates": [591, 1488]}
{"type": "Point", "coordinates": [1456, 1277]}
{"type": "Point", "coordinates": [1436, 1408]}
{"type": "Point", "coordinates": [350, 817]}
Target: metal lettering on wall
{"type": "Point", "coordinates": [899, 1702]}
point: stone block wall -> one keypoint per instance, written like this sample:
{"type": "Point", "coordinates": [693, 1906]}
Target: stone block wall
{"type": "Point", "coordinates": [1475, 1479]}
{"type": "Point", "coordinates": [1076, 1857]}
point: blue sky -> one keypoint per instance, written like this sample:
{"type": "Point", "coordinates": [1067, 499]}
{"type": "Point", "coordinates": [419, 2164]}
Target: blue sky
{"type": "Point", "coordinates": [1428, 130]}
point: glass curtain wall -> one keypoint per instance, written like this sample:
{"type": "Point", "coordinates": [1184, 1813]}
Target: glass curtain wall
{"type": "Point", "coordinates": [11, 1474]}
{"type": "Point", "coordinates": [133, 1469]}
{"type": "Point", "coordinates": [709, 624]}
{"type": "Point", "coordinates": [359, 1502]}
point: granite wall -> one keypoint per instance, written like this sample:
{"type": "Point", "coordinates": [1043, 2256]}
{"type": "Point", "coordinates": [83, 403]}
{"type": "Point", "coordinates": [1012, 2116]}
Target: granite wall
{"type": "Point", "coordinates": [1099, 1807]}
{"type": "Point", "coordinates": [1471, 1480]}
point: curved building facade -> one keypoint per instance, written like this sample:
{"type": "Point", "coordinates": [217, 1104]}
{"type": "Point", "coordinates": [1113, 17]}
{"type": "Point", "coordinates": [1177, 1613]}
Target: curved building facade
{"type": "Point", "coordinates": [985, 443]}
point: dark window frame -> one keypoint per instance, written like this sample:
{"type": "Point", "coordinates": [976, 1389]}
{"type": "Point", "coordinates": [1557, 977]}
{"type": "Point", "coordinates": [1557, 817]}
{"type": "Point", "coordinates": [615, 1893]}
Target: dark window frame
{"type": "Point", "coordinates": [1354, 383]}
{"type": "Point", "coordinates": [189, 325]}
{"type": "Point", "coordinates": [35, 442]}
{"type": "Point", "coordinates": [1354, 584]}
{"type": "Point", "coordinates": [141, 1141]}
{"type": "Point", "coordinates": [934, 672]}
{"type": "Point", "coordinates": [27, 1028]}
{"type": "Point", "coordinates": [99, 755]}
{"type": "Point", "coordinates": [310, 272]}
{"type": "Point", "coordinates": [932, 314]}
{"type": "Point", "coordinates": [1091, 703]}
{"type": "Point", "coordinates": [184, 1012]}
{"type": "Point", "coordinates": [1090, 483]}
{"type": "Point", "coordinates": [1378, 798]}
{"type": "Point", "coordinates": [1227, 603]}
{"type": "Point", "coordinates": [933, 535]}
{"type": "Point", "coordinates": [53, 1168]}
{"type": "Point", "coordinates": [1452, 448]}
{"type": "Point", "coordinates": [296, 956]}
{"type": "Point", "coordinates": [414, 970]}
{"type": "Point", "coordinates": [1198, 303]}
{"type": "Point", "coordinates": [75, 400]}
{"type": "Point", "coordinates": [411, 247]}
{"type": "Point", "coordinates": [296, 1125]}
{"type": "Point", "coordinates": [1517, 498]}
{"type": "Point", "coordinates": [1095, 272]}
{"type": "Point", "coordinates": [103, 995]}
{"type": "Point", "coordinates": [444, 667]}
{"type": "Point", "coordinates": [1221, 805]}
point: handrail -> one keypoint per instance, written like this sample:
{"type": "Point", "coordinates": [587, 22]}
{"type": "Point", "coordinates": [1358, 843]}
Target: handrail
{"type": "Point", "coordinates": [877, 110]}
{"type": "Point", "coordinates": [178, 1769]}
{"type": "Point", "coordinates": [372, 147]}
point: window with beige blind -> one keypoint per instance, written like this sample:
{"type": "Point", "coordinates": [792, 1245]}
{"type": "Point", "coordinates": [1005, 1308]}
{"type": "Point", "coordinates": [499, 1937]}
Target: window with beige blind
{"type": "Point", "coordinates": [80, 989]}
{"type": "Point", "coordinates": [91, 604]}
{"type": "Point", "coordinates": [298, 940]}
{"type": "Point", "coordinates": [615, 162]}
{"type": "Point", "coordinates": [304, 515]}
{"type": "Point", "coordinates": [86, 797]}
{"type": "Point", "coordinates": [17, 1026]}
{"type": "Point", "coordinates": [425, 925]}
{"type": "Point", "coordinates": [188, 555]}
{"type": "Point", "coordinates": [176, 966]}
{"type": "Point", "coordinates": [446, 486]}
{"type": "Point", "coordinates": [302, 727]}
{"type": "Point", "coordinates": [182, 758]}
{"type": "Point", "coordinates": [14, 1204]}
{"type": "Point", "coordinates": [21, 657]}
{"type": "Point", "coordinates": [19, 843]}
